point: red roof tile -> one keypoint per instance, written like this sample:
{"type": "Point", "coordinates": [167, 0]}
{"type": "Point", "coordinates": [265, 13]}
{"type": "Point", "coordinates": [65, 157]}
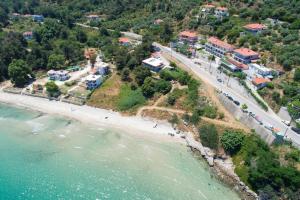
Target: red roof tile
{"type": "Point", "coordinates": [190, 34]}
{"type": "Point", "coordinates": [246, 52]}
{"type": "Point", "coordinates": [123, 40]}
{"type": "Point", "coordinates": [220, 43]}
{"type": "Point", "coordinates": [238, 64]}
{"type": "Point", "coordinates": [222, 8]}
{"type": "Point", "coordinates": [258, 81]}
{"type": "Point", "coordinates": [255, 26]}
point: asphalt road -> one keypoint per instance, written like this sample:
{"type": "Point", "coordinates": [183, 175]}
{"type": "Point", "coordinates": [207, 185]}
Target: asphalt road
{"type": "Point", "coordinates": [203, 72]}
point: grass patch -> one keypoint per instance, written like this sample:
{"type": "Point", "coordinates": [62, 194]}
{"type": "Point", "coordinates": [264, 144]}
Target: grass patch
{"type": "Point", "coordinates": [130, 99]}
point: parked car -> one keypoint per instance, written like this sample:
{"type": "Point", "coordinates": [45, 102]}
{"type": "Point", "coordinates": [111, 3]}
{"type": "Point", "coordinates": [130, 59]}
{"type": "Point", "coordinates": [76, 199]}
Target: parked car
{"type": "Point", "coordinates": [257, 118]}
{"type": "Point", "coordinates": [297, 130]}
{"type": "Point", "coordinates": [288, 123]}
{"type": "Point", "coordinates": [230, 98]}
{"type": "Point", "coordinates": [269, 127]}
{"type": "Point", "coordinates": [219, 80]}
{"type": "Point", "coordinates": [236, 103]}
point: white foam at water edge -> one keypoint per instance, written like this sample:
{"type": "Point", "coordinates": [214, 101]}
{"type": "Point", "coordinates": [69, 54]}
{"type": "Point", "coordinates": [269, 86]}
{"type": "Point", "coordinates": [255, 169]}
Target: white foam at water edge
{"type": "Point", "coordinates": [62, 136]}
{"type": "Point", "coordinates": [77, 147]}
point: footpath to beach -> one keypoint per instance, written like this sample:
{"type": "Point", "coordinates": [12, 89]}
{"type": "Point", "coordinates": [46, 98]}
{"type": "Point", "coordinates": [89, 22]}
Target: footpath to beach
{"type": "Point", "coordinates": [91, 115]}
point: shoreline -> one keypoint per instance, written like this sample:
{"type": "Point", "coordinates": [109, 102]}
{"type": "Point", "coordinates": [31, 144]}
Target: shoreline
{"type": "Point", "coordinates": [134, 125]}
{"type": "Point", "coordinates": [94, 116]}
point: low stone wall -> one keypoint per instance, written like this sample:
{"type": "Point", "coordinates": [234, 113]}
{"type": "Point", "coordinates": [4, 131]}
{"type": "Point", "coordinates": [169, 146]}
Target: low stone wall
{"type": "Point", "coordinates": [12, 90]}
{"type": "Point", "coordinates": [247, 120]}
{"type": "Point", "coordinates": [78, 102]}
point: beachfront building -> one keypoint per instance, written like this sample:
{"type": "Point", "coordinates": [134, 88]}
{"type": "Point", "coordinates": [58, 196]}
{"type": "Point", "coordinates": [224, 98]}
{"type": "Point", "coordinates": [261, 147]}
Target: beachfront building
{"type": "Point", "coordinates": [28, 35]}
{"type": "Point", "coordinates": [260, 83]}
{"type": "Point", "coordinates": [61, 75]}
{"type": "Point", "coordinates": [218, 47]}
{"type": "Point", "coordinates": [101, 68]}
{"type": "Point", "coordinates": [221, 12]}
{"type": "Point", "coordinates": [38, 18]}
{"type": "Point", "coordinates": [254, 28]}
{"type": "Point", "coordinates": [93, 81]}
{"type": "Point", "coordinates": [124, 41]}
{"type": "Point", "coordinates": [245, 55]}
{"type": "Point", "coordinates": [153, 64]}
{"type": "Point", "coordinates": [260, 70]}
{"type": "Point", "coordinates": [189, 37]}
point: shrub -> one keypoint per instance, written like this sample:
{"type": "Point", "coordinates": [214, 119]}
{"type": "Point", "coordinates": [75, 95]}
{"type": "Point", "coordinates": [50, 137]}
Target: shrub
{"type": "Point", "coordinates": [163, 86]}
{"type": "Point", "coordinates": [130, 98]}
{"type": "Point", "coordinates": [209, 136]}
{"type": "Point", "coordinates": [52, 89]}
{"type": "Point", "coordinates": [232, 141]}
{"type": "Point", "coordinates": [210, 112]}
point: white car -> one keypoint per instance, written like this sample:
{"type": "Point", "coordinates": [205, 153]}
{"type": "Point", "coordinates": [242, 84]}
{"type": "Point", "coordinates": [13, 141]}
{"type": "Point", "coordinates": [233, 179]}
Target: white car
{"type": "Point", "coordinates": [288, 123]}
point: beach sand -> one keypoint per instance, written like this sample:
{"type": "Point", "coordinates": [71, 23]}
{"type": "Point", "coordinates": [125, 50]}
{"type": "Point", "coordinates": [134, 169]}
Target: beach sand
{"type": "Point", "coordinates": [93, 116]}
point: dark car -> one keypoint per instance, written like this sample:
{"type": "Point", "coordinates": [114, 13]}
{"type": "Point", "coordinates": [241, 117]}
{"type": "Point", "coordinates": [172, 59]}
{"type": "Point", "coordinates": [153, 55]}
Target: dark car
{"type": "Point", "coordinates": [297, 130]}
{"type": "Point", "coordinates": [230, 98]}
{"type": "Point", "coordinates": [236, 103]}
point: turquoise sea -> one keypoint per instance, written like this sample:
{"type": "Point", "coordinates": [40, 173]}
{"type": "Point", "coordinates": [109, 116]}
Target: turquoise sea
{"type": "Point", "coordinates": [46, 157]}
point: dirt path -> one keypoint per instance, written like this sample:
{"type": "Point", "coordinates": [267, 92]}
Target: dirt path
{"type": "Point", "coordinates": [209, 91]}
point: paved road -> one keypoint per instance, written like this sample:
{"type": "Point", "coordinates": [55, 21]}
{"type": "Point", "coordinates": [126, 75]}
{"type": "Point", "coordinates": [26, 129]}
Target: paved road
{"type": "Point", "coordinates": [268, 117]}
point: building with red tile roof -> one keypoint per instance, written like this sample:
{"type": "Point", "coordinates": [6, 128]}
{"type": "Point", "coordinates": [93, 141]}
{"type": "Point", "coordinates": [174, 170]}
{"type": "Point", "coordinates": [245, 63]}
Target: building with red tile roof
{"type": "Point", "coordinates": [255, 28]}
{"type": "Point", "coordinates": [245, 55]}
{"type": "Point", "coordinates": [28, 35]}
{"type": "Point", "coordinates": [188, 36]}
{"type": "Point", "coordinates": [218, 47]}
{"type": "Point", "coordinates": [124, 41]}
{"type": "Point", "coordinates": [260, 82]}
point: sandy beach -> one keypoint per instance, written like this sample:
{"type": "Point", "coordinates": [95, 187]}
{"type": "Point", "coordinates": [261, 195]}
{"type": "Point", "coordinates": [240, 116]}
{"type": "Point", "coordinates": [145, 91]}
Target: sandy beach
{"type": "Point", "coordinates": [93, 116]}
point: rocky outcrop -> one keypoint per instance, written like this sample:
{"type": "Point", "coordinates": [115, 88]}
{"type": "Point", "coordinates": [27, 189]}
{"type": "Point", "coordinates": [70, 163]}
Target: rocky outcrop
{"type": "Point", "coordinates": [223, 166]}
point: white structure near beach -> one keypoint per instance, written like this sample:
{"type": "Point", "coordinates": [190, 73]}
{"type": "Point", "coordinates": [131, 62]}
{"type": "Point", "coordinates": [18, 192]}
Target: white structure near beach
{"type": "Point", "coordinates": [61, 75]}
{"type": "Point", "coordinates": [260, 70]}
{"type": "Point", "coordinates": [101, 68]}
{"type": "Point", "coordinates": [153, 64]}
{"type": "Point", "coordinates": [93, 81]}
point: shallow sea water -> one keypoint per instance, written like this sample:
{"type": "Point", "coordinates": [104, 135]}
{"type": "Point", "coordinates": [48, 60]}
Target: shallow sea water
{"type": "Point", "coordinates": [50, 157]}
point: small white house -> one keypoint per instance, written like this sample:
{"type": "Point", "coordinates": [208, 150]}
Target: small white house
{"type": "Point", "coordinates": [61, 75]}
{"type": "Point", "coordinates": [93, 81]}
{"type": "Point", "coordinates": [153, 64]}
{"type": "Point", "coordinates": [260, 70]}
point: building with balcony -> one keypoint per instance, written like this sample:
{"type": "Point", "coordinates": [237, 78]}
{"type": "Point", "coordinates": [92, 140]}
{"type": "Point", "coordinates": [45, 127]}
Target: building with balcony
{"type": "Point", "coordinates": [254, 28]}
{"type": "Point", "coordinates": [245, 55]}
{"type": "Point", "coordinates": [218, 47]}
{"type": "Point", "coordinates": [153, 64]}
{"type": "Point", "coordinates": [93, 81]}
{"type": "Point", "coordinates": [189, 37]}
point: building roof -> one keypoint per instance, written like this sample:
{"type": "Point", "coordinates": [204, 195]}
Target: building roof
{"type": "Point", "coordinates": [258, 80]}
{"type": "Point", "coordinates": [27, 33]}
{"type": "Point", "coordinates": [222, 8]}
{"type": "Point", "coordinates": [92, 16]}
{"type": "Point", "coordinates": [123, 40]}
{"type": "Point", "coordinates": [93, 77]}
{"type": "Point", "coordinates": [190, 34]}
{"type": "Point", "coordinates": [237, 64]}
{"type": "Point", "coordinates": [209, 6]}
{"type": "Point", "coordinates": [158, 21]}
{"type": "Point", "coordinates": [153, 62]}
{"type": "Point", "coordinates": [246, 52]}
{"type": "Point", "coordinates": [220, 43]}
{"type": "Point", "coordinates": [255, 26]}
{"type": "Point", "coordinates": [260, 67]}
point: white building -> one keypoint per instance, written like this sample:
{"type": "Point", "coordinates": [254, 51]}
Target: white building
{"type": "Point", "coordinates": [260, 70]}
{"type": "Point", "coordinates": [153, 64]}
{"type": "Point", "coordinates": [101, 68]}
{"type": "Point", "coordinates": [61, 75]}
{"type": "Point", "coordinates": [93, 81]}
